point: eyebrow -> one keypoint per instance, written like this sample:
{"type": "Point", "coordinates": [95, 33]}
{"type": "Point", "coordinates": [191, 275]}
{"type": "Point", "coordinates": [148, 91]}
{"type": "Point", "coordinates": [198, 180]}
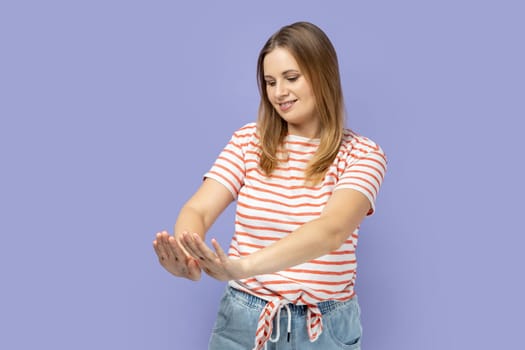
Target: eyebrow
{"type": "Point", "coordinates": [284, 73]}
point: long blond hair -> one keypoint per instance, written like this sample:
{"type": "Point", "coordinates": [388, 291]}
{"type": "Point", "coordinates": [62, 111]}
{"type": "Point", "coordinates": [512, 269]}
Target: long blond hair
{"type": "Point", "coordinates": [317, 59]}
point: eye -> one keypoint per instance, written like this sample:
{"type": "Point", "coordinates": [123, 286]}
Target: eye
{"type": "Point", "coordinates": [292, 79]}
{"type": "Point", "coordinates": [270, 83]}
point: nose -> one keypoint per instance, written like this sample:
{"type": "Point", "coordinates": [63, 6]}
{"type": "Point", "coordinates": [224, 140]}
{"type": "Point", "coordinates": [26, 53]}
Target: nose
{"type": "Point", "coordinates": [280, 90]}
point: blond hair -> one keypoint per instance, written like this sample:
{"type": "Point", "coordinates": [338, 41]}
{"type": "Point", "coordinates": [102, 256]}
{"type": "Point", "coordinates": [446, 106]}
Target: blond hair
{"type": "Point", "coordinates": [317, 59]}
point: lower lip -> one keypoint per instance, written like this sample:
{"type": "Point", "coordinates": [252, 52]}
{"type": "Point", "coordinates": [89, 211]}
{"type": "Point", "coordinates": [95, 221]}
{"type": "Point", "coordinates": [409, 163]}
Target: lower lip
{"type": "Point", "coordinates": [286, 107]}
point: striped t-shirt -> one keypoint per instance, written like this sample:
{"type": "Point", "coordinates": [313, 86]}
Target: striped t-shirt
{"type": "Point", "coordinates": [269, 208]}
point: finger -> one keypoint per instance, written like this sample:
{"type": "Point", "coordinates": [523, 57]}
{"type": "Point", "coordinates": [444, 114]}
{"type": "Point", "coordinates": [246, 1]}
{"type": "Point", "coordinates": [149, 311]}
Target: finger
{"type": "Point", "coordinates": [194, 271]}
{"type": "Point", "coordinates": [160, 247]}
{"type": "Point", "coordinates": [156, 248]}
{"type": "Point", "coordinates": [218, 250]}
{"type": "Point", "coordinates": [156, 245]}
{"type": "Point", "coordinates": [204, 252]}
{"type": "Point", "coordinates": [181, 246]}
{"type": "Point", "coordinates": [189, 244]}
{"type": "Point", "coordinates": [176, 251]}
{"type": "Point", "coordinates": [165, 244]}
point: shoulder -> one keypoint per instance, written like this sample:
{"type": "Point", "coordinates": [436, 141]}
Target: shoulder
{"type": "Point", "coordinates": [246, 133]}
{"type": "Point", "coordinates": [359, 145]}
{"type": "Point", "coordinates": [249, 129]}
{"type": "Point", "coordinates": [246, 137]}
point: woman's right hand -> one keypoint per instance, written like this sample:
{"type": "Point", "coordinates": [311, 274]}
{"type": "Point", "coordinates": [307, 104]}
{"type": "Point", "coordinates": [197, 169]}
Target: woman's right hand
{"type": "Point", "coordinates": [174, 259]}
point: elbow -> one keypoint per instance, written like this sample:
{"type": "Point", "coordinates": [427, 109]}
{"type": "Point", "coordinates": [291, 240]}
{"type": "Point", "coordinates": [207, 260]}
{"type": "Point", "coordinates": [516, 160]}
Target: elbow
{"type": "Point", "coordinates": [337, 237]}
{"type": "Point", "coordinates": [337, 231]}
{"type": "Point", "coordinates": [337, 240]}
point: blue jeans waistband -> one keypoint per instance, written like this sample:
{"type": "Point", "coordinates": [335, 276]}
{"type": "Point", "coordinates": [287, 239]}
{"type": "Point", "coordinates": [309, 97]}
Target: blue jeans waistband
{"type": "Point", "coordinates": [255, 302]}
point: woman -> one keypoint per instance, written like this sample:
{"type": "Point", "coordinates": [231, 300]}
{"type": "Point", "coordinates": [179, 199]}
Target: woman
{"type": "Point", "coordinates": [303, 184]}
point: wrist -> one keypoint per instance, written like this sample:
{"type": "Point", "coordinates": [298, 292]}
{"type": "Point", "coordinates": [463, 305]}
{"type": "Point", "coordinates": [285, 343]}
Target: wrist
{"type": "Point", "coordinates": [244, 268]}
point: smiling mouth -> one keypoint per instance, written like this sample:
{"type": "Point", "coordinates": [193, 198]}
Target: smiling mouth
{"type": "Point", "coordinates": [286, 105]}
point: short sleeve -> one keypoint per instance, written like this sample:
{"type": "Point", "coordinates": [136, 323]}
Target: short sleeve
{"type": "Point", "coordinates": [364, 172]}
{"type": "Point", "coordinates": [229, 168]}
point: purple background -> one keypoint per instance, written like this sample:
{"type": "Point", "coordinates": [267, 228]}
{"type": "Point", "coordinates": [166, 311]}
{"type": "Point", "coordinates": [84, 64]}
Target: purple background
{"type": "Point", "coordinates": [111, 111]}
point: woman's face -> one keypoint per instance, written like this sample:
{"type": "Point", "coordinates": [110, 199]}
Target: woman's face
{"type": "Point", "coordinates": [290, 93]}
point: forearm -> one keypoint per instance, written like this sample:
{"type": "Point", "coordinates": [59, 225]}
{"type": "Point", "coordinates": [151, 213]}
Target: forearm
{"type": "Point", "coordinates": [190, 220]}
{"type": "Point", "coordinates": [310, 241]}
{"type": "Point", "coordinates": [313, 239]}
{"type": "Point", "coordinates": [200, 211]}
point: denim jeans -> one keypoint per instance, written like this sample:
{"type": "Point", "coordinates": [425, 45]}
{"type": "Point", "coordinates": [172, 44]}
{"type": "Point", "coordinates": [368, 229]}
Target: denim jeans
{"type": "Point", "coordinates": [239, 313]}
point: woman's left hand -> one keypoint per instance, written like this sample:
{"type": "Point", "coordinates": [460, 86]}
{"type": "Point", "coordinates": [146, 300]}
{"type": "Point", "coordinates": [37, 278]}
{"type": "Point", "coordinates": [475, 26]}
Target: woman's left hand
{"type": "Point", "coordinates": [215, 263]}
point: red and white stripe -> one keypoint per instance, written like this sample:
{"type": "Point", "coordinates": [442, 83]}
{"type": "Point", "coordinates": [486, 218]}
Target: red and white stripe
{"type": "Point", "coordinates": [269, 208]}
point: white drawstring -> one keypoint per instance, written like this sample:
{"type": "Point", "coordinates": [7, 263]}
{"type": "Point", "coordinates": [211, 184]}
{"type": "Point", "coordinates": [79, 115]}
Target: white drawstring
{"type": "Point", "coordinates": [278, 318]}
{"type": "Point", "coordinates": [272, 311]}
